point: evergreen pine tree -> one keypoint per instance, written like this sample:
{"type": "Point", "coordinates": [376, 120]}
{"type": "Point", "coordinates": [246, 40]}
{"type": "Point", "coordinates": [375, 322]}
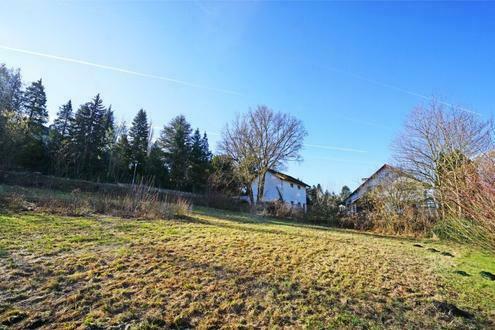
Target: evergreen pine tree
{"type": "Point", "coordinates": [155, 166]}
{"type": "Point", "coordinates": [344, 193]}
{"type": "Point", "coordinates": [35, 107]}
{"type": "Point", "coordinates": [122, 158]}
{"type": "Point", "coordinates": [200, 159]}
{"type": "Point", "coordinates": [205, 146]}
{"type": "Point", "coordinates": [61, 124]}
{"type": "Point", "coordinates": [59, 138]}
{"type": "Point", "coordinates": [175, 141]}
{"type": "Point", "coordinates": [223, 177]}
{"type": "Point", "coordinates": [109, 141]}
{"type": "Point", "coordinates": [138, 140]}
{"type": "Point", "coordinates": [88, 138]}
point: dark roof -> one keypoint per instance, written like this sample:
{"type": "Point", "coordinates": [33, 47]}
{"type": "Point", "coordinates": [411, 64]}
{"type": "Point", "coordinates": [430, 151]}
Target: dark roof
{"type": "Point", "coordinates": [384, 166]}
{"type": "Point", "coordinates": [286, 177]}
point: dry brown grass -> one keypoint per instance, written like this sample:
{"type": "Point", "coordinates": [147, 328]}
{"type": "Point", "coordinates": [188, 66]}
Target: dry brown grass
{"type": "Point", "coordinates": [140, 201]}
{"type": "Point", "coordinates": [225, 270]}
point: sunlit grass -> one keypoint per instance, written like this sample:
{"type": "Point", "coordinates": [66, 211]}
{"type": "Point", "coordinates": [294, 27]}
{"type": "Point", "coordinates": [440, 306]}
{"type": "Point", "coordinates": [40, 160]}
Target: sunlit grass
{"type": "Point", "coordinates": [217, 269]}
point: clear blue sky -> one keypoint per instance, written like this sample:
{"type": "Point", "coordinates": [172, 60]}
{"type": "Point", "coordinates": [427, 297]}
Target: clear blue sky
{"type": "Point", "coordinates": [350, 71]}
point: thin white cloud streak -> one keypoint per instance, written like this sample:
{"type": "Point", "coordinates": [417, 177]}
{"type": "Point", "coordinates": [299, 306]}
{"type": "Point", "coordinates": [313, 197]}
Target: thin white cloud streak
{"type": "Point", "coordinates": [340, 160]}
{"type": "Point", "coordinates": [327, 147]}
{"type": "Point", "coordinates": [121, 70]}
{"type": "Point", "coordinates": [399, 89]}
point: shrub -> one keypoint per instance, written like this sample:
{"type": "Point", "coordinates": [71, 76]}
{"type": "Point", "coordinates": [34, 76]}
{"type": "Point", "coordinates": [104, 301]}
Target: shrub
{"type": "Point", "coordinates": [139, 202]}
{"type": "Point", "coordinates": [396, 208]}
{"type": "Point", "coordinates": [323, 213]}
{"type": "Point", "coordinates": [468, 194]}
{"type": "Point", "coordinates": [15, 202]}
{"type": "Point", "coordinates": [323, 206]}
{"type": "Point", "coordinates": [279, 209]}
{"type": "Point", "coordinates": [359, 221]}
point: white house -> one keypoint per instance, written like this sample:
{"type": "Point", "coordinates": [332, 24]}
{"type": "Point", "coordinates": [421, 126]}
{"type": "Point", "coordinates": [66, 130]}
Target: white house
{"type": "Point", "coordinates": [282, 187]}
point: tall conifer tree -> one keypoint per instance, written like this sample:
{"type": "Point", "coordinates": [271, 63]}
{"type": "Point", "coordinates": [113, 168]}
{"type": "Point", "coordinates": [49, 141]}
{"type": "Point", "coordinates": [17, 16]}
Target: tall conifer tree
{"type": "Point", "coordinates": [156, 168]}
{"type": "Point", "coordinates": [35, 107]}
{"type": "Point", "coordinates": [200, 162]}
{"type": "Point", "coordinates": [138, 140]}
{"type": "Point", "coordinates": [88, 138]}
{"type": "Point", "coordinates": [175, 141]}
{"type": "Point", "coordinates": [65, 115]}
{"type": "Point", "coordinates": [59, 138]}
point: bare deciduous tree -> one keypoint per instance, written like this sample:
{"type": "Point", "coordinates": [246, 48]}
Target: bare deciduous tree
{"type": "Point", "coordinates": [260, 140]}
{"type": "Point", "coordinates": [433, 133]}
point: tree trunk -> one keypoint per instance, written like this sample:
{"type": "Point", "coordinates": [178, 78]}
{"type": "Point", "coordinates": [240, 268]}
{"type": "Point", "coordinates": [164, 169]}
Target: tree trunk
{"type": "Point", "coordinates": [261, 187]}
{"type": "Point", "coordinates": [249, 191]}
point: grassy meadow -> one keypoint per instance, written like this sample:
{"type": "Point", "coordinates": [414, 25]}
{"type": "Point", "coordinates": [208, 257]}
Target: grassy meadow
{"type": "Point", "coordinates": [216, 269]}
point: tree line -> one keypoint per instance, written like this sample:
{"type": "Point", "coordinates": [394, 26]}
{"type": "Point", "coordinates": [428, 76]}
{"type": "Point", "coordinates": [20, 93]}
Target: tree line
{"type": "Point", "coordinates": [87, 143]}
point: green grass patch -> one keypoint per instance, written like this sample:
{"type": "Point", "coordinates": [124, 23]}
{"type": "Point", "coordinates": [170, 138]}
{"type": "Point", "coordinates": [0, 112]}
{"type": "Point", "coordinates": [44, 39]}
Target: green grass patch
{"type": "Point", "coordinates": [466, 281]}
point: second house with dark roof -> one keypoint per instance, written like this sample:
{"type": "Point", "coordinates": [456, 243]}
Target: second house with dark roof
{"type": "Point", "coordinates": [384, 175]}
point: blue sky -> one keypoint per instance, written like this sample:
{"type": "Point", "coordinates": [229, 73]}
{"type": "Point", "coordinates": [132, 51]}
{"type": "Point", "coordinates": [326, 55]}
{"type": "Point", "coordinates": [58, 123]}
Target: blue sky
{"type": "Point", "coordinates": [350, 70]}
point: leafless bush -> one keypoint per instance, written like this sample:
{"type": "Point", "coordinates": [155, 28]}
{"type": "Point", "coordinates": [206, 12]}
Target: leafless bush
{"type": "Point", "coordinates": [15, 202]}
{"type": "Point", "coordinates": [140, 202]}
{"type": "Point", "coordinates": [282, 210]}
{"type": "Point", "coordinates": [358, 221]}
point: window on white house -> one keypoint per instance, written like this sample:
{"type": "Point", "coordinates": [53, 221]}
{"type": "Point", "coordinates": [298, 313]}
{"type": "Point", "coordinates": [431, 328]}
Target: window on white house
{"type": "Point", "coordinates": [298, 187]}
{"type": "Point", "coordinates": [291, 185]}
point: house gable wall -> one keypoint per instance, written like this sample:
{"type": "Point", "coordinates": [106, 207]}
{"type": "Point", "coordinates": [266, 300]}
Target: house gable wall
{"type": "Point", "coordinates": [385, 175]}
{"type": "Point", "coordinates": [290, 192]}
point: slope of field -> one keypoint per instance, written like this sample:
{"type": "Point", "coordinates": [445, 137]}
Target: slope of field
{"type": "Point", "coordinates": [216, 269]}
